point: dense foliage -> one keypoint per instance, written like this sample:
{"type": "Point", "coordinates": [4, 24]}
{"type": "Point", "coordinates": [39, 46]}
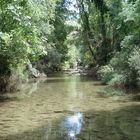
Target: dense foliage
{"type": "Point", "coordinates": [22, 35]}
{"type": "Point", "coordinates": [110, 36]}
{"type": "Point", "coordinates": [60, 34]}
{"type": "Point", "coordinates": [123, 68]}
{"type": "Point", "coordinates": [19, 38]}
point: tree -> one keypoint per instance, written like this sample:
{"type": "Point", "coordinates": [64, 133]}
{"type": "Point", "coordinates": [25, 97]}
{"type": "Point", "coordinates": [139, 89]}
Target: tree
{"type": "Point", "coordinates": [21, 34]}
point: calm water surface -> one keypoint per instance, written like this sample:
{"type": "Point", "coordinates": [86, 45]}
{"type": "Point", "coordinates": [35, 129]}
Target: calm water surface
{"type": "Point", "coordinates": [69, 108]}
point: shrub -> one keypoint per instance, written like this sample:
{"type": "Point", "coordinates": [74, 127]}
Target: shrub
{"type": "Point", "coordinates": [134, 62]}
{"type": "Point", "coordinates": [123, 70]}
{"type": "Point", "coordinates": [106, 73]}
{"type": "Point", "coordinates": [118, 80]}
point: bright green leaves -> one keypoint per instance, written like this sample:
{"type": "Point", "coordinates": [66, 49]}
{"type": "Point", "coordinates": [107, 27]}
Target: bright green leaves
{"type": "Point", "coordinates": [128, 11]}
{"type": "Point", "coordinates": [5, 38]}
{"type": "Point", "coordinates": [19, 38]}
{"type": "Point", "coordinates": [125, 63]}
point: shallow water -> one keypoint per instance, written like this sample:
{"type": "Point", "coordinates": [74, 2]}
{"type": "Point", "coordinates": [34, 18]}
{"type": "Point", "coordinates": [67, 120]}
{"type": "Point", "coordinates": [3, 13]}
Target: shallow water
{"type": "Point", "coordinates": [69, 108]}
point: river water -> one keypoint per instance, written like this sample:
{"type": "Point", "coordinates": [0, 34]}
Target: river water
{"type": "Point", "coordinates": [69, 108]}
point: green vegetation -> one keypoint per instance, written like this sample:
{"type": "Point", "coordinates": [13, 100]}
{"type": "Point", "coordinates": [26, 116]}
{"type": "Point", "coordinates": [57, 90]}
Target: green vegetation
{"type": "Point", "coordinates": [123, 68]}
{"type": "Point", "coordinates": [22, 36]}
{"type": "Point", "coordinates": [60, 34]}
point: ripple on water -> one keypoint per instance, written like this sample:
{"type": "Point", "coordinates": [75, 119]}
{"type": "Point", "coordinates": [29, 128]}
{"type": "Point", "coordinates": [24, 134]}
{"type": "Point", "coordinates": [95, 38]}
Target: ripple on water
{"type": "Point", "coordinates": [69, 109]}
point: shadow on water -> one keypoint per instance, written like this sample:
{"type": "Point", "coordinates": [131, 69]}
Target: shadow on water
{"type": "Point", "coordinates": [69, 108]}
{"type": "Point", "coordinates": [26, 91]}
{"type": "Point", "coordinates": [136, 98]}
{"type": "Point", "coordinates": [68, 78]}
{"type": "Point", "coordinates": [122, 124]}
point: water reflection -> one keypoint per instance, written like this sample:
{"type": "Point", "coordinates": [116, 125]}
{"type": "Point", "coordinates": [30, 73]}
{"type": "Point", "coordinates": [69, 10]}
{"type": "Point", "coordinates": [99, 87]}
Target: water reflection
{"type": "Point", "coordinates": [52, 113]}
{"type": "Point", "coordinates": [72, 126]}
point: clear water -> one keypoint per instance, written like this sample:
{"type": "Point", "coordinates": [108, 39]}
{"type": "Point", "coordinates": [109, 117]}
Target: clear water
{"type": "Point", "coordinates": [69, 108]}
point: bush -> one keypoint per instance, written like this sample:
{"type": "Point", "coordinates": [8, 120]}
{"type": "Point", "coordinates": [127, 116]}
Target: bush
{"type": "Point", "coordinates": [106, 73]}
{"type": "Point", "coordinates": [118, 80]}
{"type": "Point", "coordinates": [134, 62]}
{"type": "Point", "coordinates": [123, 70]}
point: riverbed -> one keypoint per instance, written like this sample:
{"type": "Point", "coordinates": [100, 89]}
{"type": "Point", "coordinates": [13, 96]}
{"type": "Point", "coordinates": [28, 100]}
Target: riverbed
{"type": "Point", "coordinates": [69, 108]}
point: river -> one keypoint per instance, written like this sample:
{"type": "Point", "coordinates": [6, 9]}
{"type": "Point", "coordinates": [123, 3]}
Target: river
{"type": "Point", "coordinates": [69, 108]}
